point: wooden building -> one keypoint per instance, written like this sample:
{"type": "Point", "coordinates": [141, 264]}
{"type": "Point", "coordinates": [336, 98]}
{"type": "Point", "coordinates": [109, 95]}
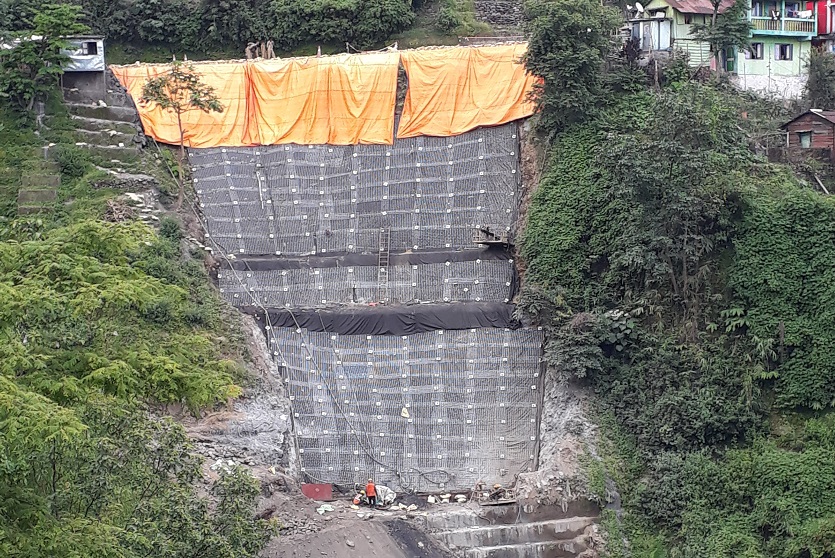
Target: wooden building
{"type": "Point", "coordinates": [814, 130]}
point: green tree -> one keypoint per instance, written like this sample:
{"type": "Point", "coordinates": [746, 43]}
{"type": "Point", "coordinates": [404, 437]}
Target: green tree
{"type": "Point", "coordinates": [820, 87]}
{"type": "Point", "coordinates": [180, 90]}
{"type": "Point", "coordinates": [727, 30]}
{"type": "Point", "coordinates": [360, 22]}
{"type": "Point", "coordinates": [30, 70]}
{"type": "Point", "coordinates": [569, 41]}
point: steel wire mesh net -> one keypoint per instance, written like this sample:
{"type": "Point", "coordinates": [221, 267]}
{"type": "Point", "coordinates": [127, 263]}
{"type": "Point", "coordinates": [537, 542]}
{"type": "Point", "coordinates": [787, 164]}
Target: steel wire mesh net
{"type": "Point", "coordinates": [435, 410]}
{"type": "Point", "coordinates": [320, 199]}
{"type": "Point", "coordinates": [474, 281]}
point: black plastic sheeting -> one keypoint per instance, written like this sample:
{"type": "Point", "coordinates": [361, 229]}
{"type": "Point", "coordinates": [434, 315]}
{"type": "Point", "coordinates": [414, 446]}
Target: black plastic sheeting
{"type": "Point", "coordinates": [350, 260]}
{"type": "Point", "coordinates": [395, 320]}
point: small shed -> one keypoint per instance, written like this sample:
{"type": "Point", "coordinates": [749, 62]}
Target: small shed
{"type": "Point", "coordinates": [814, 129]}
{"type": "Point", "coordinates": [86, 70]}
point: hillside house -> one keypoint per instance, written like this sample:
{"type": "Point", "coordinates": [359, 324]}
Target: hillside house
{"type": "Point", "coordinates": [781, 40]}
{"type": "Point", "coordinates": [813, 130]}
{"type": "Point", "coordinates": [825, 10]}
{"type": "Point", "coordinates": [665, 25]}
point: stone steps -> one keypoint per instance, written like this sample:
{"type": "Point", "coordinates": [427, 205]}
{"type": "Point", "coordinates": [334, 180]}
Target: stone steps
{"type": "Point", "coordinates": [106, 137]}
{"type": "Point", "coordinates": [39, 183]}
{"type": "Point", "coordinates": [510, 532]}
{"type": "Point", "coordinates": [115, 114]}
{"type": "Point", "coordinates": [115, 154]}
{"type": "Point", "coordinates": [100, 125]}
{"type": "Point", "coordinates": [112, 98]}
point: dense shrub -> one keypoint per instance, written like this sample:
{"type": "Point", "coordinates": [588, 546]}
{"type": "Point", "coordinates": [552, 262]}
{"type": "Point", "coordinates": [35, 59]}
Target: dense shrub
{"type": "Point", "coordinates": [361, 22]}
{"type": "Point", "coordinates": [655, 217]}
{"type": "Point", "coordinates": [73, 161]}
{"type": "Point", "coordinates": [784, 279]}
{"type": "Point", "coordinates": [204, 24]}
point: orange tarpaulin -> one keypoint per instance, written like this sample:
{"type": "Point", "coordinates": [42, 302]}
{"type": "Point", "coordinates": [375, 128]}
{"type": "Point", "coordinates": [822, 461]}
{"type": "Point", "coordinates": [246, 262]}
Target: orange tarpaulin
{"type": "Point", "coordinates": [228, 128]}
{"type": "Point", "coordinates": [345, 99]}
{"type": "Point", "coordinates": [340, 100]}
{"type": "Point", "coordinates": [457, 89]}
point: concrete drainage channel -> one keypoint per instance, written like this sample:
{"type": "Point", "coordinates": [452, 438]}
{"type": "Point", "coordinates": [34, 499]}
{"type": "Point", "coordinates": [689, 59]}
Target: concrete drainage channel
{"type": "Point", "coordinates": [509, 532]}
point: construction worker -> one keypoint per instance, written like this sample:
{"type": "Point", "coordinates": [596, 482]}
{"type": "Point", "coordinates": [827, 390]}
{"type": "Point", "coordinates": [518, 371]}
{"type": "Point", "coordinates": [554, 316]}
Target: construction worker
{"type": "Point", "coordinates": [371, 493]}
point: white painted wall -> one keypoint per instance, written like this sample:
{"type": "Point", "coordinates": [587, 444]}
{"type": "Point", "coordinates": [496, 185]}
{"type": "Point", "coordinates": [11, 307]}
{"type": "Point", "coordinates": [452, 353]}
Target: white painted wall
{"type": "Point", "coordinates": [781, 87]}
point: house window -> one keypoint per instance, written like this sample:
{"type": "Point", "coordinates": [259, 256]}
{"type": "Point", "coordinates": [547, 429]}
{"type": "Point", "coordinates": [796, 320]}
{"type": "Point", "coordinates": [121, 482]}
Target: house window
{"type": "Point", "coordinates": [758, 9]}
{"type": "Point", "coordinates": [755, 51]}
{"type": "Point", "coordinates": [783, 52]}
{"type": "Point", "coordinates": [805, 139]}
{"type": "Point", "coordinates": [89, 48]}
{"type": "Point", "coordinates": [688, 19]}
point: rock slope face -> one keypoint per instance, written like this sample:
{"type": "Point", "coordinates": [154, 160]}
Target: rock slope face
{"type": "Point", "coordinates": [505, 16]}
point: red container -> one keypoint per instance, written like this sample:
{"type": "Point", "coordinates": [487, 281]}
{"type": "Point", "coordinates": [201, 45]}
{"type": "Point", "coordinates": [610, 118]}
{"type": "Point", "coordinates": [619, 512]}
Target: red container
{"type": "Point", "coordinates": [321, 492]}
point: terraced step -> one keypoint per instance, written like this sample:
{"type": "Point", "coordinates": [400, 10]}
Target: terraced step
{"type": "Point", "coordinates": [114, 154]}
{"type": "Point", "coordinates": [99, 125]}
{"type": "Point", "coordinates": [40, 181]}
{"type": "Point", "coordinates": [31, 200]}
{"type": "Point", "coordinates": [106, 137]}
{"type": "Point", "coordinates": [111, 98]}
{"type": "Point", "coordinates": [36, 197]}
{"type": "Point", "coordinates": [520, 533]}
{"type": "Point", "coordinates": [115, 114]}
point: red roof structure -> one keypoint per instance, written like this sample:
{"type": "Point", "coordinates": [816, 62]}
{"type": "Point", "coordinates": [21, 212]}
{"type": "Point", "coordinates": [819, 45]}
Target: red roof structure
{"type": "Point", "coordinates": [698, 6]}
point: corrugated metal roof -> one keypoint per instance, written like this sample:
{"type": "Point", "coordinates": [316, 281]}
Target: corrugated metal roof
{"type": "Point", "coordinates": [698, 6]}
{"type": "Point", "coordinates": [828, 115]}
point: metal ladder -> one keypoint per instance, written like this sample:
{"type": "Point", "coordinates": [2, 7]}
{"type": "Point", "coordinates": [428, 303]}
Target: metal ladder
{"type": "Point", "coordinates": [383, 265]}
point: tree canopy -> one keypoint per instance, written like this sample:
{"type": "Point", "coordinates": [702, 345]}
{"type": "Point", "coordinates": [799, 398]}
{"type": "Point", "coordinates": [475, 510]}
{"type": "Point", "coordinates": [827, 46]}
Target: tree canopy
{"type": "Point", "coordinates": [30, 70]}
{"type": "Point", "coordinates": [685, 281]}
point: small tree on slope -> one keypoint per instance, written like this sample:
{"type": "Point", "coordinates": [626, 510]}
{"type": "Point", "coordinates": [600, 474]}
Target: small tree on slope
{"type": "Point", "coordinates": [30, 70]}
{"type": "Point", "coordinates": [180, 90]}
{"type": "Point", "coordinates": [730, 29]}
{"type": "Point", "coordinates": [820, 87]}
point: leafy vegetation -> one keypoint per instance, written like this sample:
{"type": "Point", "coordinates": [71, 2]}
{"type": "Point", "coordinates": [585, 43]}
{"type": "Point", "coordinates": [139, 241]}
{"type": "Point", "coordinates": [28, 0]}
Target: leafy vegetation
{"type": "Point", "coordinates": [567, 47]}
{"type": "Point", "coordinates": [359, 22]}
{"type": "Point", "coordinates": [30, 70]}
{"type": "Point", "coordinates": [212, 25]}
{"type": "Point", "coordinates": [179, 90]}
{"type": "Point", "coordinates": [820, 87]}
{"type": "Point", "coordinates": [727, 30]}
{"type": "Point", "coordinates": [102, 325]}
{"type": "Point", "coordinates": [688, 283]}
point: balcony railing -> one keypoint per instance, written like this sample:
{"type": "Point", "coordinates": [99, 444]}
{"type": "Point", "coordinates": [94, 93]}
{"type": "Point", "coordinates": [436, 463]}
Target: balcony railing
{"type": "Point", "coordinates": [785, 25]}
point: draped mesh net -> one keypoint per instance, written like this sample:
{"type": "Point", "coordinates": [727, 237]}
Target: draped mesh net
{"type": "Point", "coordinates": [321, 199]}
{"type": "Point", "coordinates": [439, 410]}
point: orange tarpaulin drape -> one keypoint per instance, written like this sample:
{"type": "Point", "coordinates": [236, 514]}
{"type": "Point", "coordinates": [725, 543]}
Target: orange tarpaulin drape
{"type": "Point", "coordinates": [340, 100]}
{"type": "Point", "coordinates": [457, 89]}
{"type": "Point", "coordinates": [345, 99]}
{"type": "Point", "coordinates": [228, 128]}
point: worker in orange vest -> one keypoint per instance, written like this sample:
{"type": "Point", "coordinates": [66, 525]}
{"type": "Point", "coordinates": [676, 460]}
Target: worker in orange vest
{"type": "Point", "coordinates": [371, 493]}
